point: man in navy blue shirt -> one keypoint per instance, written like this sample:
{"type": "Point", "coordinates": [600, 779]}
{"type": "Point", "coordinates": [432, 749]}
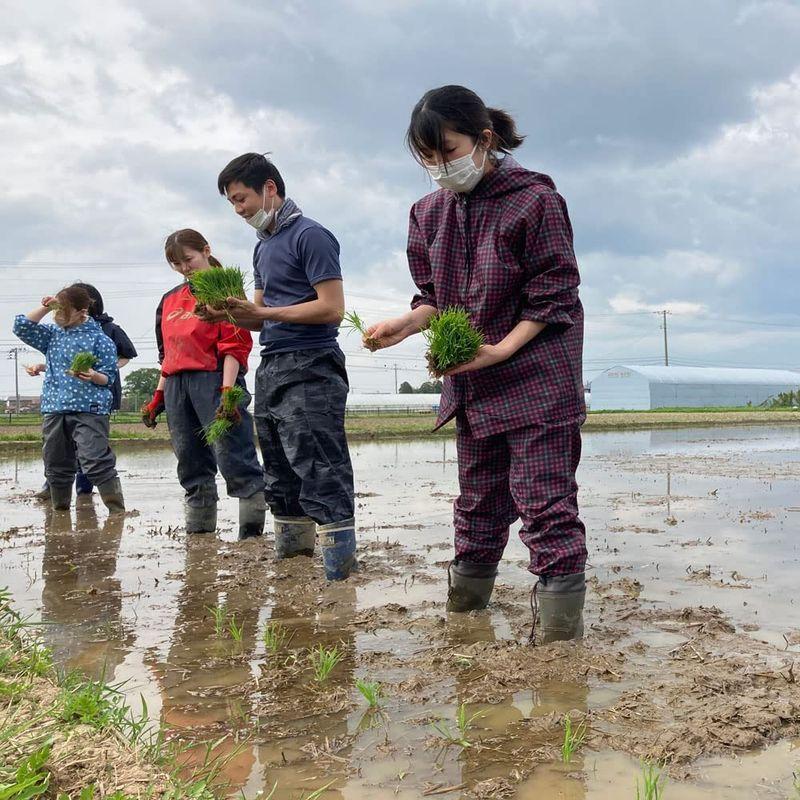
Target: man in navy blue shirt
{"type": "Point", "coordinates": [301, 383]}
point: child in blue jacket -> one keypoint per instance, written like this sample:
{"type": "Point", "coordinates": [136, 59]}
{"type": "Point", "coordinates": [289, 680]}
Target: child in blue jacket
{"type": "Point", "coordinates": [75, 407]}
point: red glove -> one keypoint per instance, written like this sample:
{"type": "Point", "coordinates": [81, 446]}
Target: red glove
{"type": "Point", "coordinates": [151, 410]}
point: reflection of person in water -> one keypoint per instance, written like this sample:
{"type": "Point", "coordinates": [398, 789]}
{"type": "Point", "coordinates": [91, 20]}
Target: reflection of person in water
{"type": "Point", "coordinates": [82, 597]}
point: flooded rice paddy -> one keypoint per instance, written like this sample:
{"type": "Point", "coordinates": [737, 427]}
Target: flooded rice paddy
{"type": "Point", "coordinates": [690, 657]}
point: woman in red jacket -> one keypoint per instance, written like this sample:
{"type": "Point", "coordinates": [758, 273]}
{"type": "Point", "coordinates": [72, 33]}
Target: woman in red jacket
{"type": "Point", "coordinates": [199, 362]}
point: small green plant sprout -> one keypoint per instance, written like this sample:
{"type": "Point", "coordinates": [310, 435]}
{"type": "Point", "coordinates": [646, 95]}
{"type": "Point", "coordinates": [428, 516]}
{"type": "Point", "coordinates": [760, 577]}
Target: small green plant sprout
{"type": "Point", "coordinates": [371, 691]}
{"type": "Point", "coordinates": [274, 637]}
{"type": "Point", "coordinates": [352, 322]}
{"type": "Point", "coordinates": [82, 362]}
{"type": "Point", "coordinates": [573, 739]}
{"type": "Point", "coordinates": [236, 631]}
{"type": "Point", "coordinates": [212, 287]}
{"type": "Point", "coordinates": [219, 615]}
{"type": "Point", "coordinates": [464, 725]}
{"type": "Point", "coordinates": [317, 793]}
{"type": "Point", "coordinates": [653, 781]}
{"type": "Point", "coordinates": [227, 415]}
{"type": "Point", "coordinates": [451, 340]}
{"type": "Point", "coordinates": [324, 659]}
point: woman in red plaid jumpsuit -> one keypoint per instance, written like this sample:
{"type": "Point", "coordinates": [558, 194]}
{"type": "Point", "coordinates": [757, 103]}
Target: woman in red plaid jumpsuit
{"type": "Point", "coordinates": [496, 240]}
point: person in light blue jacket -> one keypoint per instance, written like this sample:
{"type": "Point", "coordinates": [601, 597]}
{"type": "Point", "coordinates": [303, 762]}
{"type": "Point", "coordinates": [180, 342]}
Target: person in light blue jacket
{"type": "Point", "coordinates": [75, 406]}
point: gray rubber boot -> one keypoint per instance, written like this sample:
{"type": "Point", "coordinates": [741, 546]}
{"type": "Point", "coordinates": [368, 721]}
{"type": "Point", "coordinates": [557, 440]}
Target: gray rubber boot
{"type": "Point", "coordinates": [44, 492]}
{"type": "Point", "coordinates": [469, 586]}
{"type": "Point", "coordinates": [294, 536]}
{"type": "Point", "coordinates": [557, 602]}
{"type": "Point", "coordinates": [111, 495]}
{"type": "Point", "coordinates": [252, 511]}
{"type": "Point", "coordinates": [60, 497]}
{"type": "Point", "coordinates": [201, 519]}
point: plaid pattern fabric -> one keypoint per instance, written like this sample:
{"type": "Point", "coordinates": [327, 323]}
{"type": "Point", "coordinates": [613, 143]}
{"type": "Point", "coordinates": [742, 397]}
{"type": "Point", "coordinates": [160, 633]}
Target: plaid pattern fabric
{"type": "Point", "coordinates": [527, 473]}
{"type": "Point", "coordinates": [504, 253]}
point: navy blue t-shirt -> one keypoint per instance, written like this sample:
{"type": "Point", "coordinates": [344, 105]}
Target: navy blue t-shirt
{"type": "Point", "coordinates": [287, 266]}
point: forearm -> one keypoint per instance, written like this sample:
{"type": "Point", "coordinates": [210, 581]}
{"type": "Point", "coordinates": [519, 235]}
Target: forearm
{"type": "Point", "coordinates": [230, 371]}
{"type": "Point", "coordinates": [417, 319]}
{"type": "Point", "coordinates": [522, 333]}
{"type": "Point", "coordinates": [314, 312]}
{"type": "Point", "coordinates": [162, 382]}
{"type": "Point", "coordinates": [99, 379]}
{"type": "Point", "coordinates": [38, 314]}
{"type": "Point", "coordinates": [121, 362]}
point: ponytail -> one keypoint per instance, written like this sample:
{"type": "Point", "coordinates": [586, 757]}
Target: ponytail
{"type": "Point", "coordinates": [505, 130]}
{"type": "Point", "coordinates": [214, 262]}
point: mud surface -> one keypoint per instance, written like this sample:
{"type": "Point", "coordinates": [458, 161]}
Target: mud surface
{"type": "Point", "coordinates": [693, 630]}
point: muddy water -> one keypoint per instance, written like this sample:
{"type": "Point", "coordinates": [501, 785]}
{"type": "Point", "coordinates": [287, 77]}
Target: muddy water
{"type": "Point", "coordinates": [677, 519]}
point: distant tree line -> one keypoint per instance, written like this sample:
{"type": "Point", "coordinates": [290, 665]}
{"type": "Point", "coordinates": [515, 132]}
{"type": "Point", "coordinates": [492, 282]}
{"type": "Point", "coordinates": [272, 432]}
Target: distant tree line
{"type": "Point", "coordinates": [786, 400]}
{"type": "Point", "coordinates": [428, 387]}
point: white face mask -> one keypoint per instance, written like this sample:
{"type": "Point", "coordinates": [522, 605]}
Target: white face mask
{"type": "Point", "coordinates": [262, 218]}
{"type": "Point", "coordinates": [460, 175]}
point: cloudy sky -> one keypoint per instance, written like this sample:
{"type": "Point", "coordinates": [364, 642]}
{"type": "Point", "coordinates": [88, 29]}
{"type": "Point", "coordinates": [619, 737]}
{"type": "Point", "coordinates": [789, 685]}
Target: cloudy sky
{"type": "Point", "coordinates": [672, 130]}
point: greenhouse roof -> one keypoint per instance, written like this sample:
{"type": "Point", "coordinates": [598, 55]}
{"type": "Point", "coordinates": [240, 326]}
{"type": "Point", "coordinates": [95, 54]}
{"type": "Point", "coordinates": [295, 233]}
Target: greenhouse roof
{"type": "Point", "coordinates": [769, 377]}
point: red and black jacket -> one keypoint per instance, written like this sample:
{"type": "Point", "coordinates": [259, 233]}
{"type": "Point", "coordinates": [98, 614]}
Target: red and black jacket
{"type": "Point", "coordinates": [186, 343]}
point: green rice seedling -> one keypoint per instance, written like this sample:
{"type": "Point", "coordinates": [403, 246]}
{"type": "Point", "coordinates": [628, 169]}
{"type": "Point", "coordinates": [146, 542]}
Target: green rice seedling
{"type": "Point", "coordinates": [464, 724]}
{"type": "Point", "coordinates": [212, 287]}
{"type": "Point", "coordinates": [371, 691]}
{"type": "Point", "coordinates": [274, 637]}
{"type": "Point", "coordinates": [236, 631]}
{"type": "Point", "coordinates": [653, 782]}
{"type": "Point", "coordinates": [227, 415]}
{"type": "Point", "coordinates": [573, 739]}
{"type": "Point", "coordinates": [324, 659]}
{"type": "Point", "coordinates": [219, 615]}
{"type": "Point", "coordinates": [82, 362]}
{"type": "Point", "coordinates": [317, 793]}
{"type": "Point", "coordinates": [451, 341]}
{"type": "Point", "coordinates": [352, 322]}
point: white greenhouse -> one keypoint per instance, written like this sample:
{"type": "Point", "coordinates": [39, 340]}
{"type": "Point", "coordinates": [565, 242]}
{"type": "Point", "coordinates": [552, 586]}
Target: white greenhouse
{"type": "Point", "coordinates": [633, 388]}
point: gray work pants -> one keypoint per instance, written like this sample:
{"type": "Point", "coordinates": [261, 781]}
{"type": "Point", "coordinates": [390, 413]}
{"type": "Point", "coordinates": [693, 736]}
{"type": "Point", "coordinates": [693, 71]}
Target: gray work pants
{"type": "Point", "coordinates": [77, 437]}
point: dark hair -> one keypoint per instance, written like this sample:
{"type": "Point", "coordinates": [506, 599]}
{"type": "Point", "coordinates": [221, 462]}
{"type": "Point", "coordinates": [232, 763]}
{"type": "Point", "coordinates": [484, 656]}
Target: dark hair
{"type": "Point", "coordinates": [461, 110]}
{"type": "Point", "coordinates": [97, 307]}
{"type": "Point", "coordinates": [253, 170]}
{"type": "Point", "coordinates": [74, 297]}
{"type": "Point", "coordinates": [186, 237]}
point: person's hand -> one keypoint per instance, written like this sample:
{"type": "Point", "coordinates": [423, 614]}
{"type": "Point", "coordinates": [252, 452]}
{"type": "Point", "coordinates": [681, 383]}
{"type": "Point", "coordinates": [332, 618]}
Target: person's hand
{"type": "Point", "coordinates": [244, 310]}
{"type": "Point", "coordinates": [488, 356]}
{"type": "Point", "coordinates": [208, 314]}
{"type": "Point", "coordinates": [151, 410]}
{"type": "Point", "coordinates": [47, 301]}
{"type": "Point", "coordinates": [34, 369]}
{"type": "Point", "coordinates": [90, 376]}
{"type": "Point", "coordinates": [386, 334]}
{"type": "Point", "coordinates": [231, 414]}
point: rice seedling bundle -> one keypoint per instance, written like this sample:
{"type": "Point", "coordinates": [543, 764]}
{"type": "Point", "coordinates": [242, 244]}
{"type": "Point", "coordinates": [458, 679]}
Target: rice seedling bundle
{"type": "Point", "coordinates": [212, 287]}
{"type": "Point", "coordinates": [353, 322]}
{"type": "Point", "coordinates": [452, 341]}
{"type": "Point", "coordinates": [227, 415]}
{"type": "Point", "coordinates": [82, 362]}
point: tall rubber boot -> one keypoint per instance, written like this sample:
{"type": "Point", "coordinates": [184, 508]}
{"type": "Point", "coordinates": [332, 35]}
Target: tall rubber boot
{"type": "Point", "coordinates": [111, 495]}
{"type": "Point", "coordinates": [338, 544]}
{"type": "Point", "coordinates": [252, 511]}
{"type": "Point", "coordinates": [44, 492]}
{"type": "Point", "coordinates": [294, 536]}
{"type": "Point", "coordinates": [61, 497]}
{"type": "Point", "coordinates": [557, 603]}
{"type": "Point", "coordinates": [201, 519]}
{"type": "Point", "coordinates": [469, 586]}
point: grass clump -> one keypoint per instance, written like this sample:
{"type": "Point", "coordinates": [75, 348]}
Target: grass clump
{"type": "Point", "coordinates": [324, 659]}
{"type": "Point", "coordinates": [227, 415]}
{"type": "Point", "coordinates": [274, 637]}
{"type": "Point", "coordinates": [464, 725]}
{"type": "Point", "coordinates": [371, 691]}
{"type": "Point", "coordinates": [573, 739]}
{"type": "Point", "coordinates": [451, 339]}
{"type": "Point", "coordinates": [212, 287]}
{"type": "Point", "coordinates": [653, 781]}
{"type": "Point", "coordinates": [352, 322]}
{"type": "Point", "coordinates": [82, 362]}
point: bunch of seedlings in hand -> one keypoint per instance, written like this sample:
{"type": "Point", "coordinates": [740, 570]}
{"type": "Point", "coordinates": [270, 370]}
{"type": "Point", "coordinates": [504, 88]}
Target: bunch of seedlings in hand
{"type": "Point", "coordinates": [227, 415]}
{"type": "Point", "coordinates": [212, 287]}
{"type": "Point", "coordinates": [452, 341]}
{"type": "Point", "coordinates": [82, 362]}
{"type": "Point", "coordinates": [352, 322]}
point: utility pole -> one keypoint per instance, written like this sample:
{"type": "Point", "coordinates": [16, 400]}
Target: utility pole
{"type": "Point", "coordinates": [666, 346]}
{"type": "Point", "coordinates": [14, 353]}
{"type": "Point", "coordinates": [395, 377]}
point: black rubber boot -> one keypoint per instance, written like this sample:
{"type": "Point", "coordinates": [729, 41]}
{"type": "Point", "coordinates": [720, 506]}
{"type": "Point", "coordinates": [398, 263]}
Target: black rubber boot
{"type": "Point", "coordinates": [557, 604]}
{"type": "Point", "coordinates": [294, 536]}
{"type": "Point", "coordinates": [60, 497]}
{"type": "Point", "coordinates": [111, 495]}
{"type": "Point", "coordinates": [252, 512]}
{"type": "Point", "coordinates": [43, 493]}
{"type": "Point", "coordinates": [469, 586]}
{"type": "Point", "coordinates": [201, 519]}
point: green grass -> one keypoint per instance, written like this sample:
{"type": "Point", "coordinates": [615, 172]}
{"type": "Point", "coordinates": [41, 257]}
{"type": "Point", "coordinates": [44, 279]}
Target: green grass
{"type": "Point", "coordinates": [212, 287]}
{"type": "Point", "coordinates": [30, 778]}
{"type": "Point", "coordinates": [82, 362]}
{"type": "Point", "coordinates": [573, 739]}
{"type": "Point", "coordinates": [451, 340]}
{"type": "Point", "coordinates": [459, 734]}
{"type": "Point", "coordinates": [274, 637]}
{"type": "Point", "coordinates": [323, 660]}
{"type": "Point", "coordinates": [227, 415]}
{"type": "Point", "coordinates": [236, 631]}
{"type": "Point", "coordinates": [651, 783]}
{"type": "Point", "coordinates": [219, 614]}
{"type": "Point", "coordinates": [371, 691]}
